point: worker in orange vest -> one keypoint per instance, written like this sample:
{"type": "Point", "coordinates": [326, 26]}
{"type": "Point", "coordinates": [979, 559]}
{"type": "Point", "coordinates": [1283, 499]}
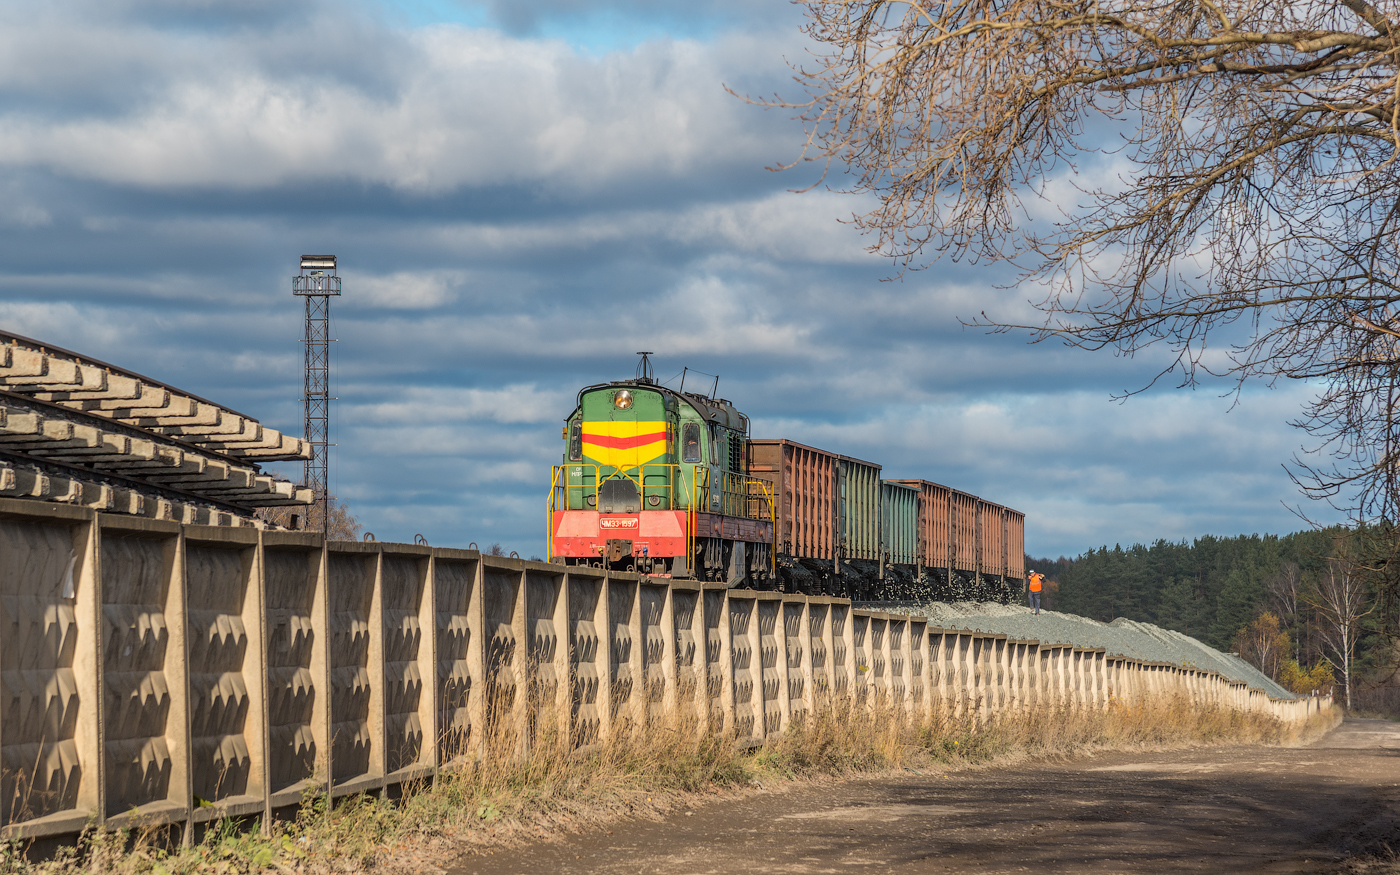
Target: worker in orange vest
{"type": "Point", "coordinates": [1034, 583]}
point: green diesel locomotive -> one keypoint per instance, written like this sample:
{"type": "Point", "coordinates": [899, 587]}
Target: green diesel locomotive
{"type": "Point", "coordinates": [653, 480]}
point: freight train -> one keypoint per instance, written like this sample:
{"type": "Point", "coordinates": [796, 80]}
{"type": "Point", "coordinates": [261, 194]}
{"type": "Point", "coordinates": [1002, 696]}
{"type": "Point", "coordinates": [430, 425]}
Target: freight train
{"type": "Point", "coordinates": [668, 482]}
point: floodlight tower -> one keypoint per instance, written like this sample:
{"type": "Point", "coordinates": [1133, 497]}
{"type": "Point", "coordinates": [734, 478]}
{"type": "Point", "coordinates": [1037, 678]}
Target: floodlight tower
{"type": "Point", "coordinates": [317, 283]}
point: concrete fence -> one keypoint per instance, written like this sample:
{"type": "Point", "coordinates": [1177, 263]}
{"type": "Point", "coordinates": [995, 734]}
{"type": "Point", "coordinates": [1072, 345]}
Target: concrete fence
{"type": "Point", "coordinates": [154, 672]}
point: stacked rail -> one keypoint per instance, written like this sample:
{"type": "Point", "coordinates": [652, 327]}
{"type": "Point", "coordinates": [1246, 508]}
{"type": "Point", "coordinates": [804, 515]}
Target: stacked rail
{"type": "Point", "coordinates": [158, 673]}
{"type": "Point", "coordinates": [74, 430]}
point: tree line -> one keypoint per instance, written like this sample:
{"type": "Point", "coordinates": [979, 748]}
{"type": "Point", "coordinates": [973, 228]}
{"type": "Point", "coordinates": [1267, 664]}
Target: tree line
{"type": "Point", "coordinates": [1310, 609]}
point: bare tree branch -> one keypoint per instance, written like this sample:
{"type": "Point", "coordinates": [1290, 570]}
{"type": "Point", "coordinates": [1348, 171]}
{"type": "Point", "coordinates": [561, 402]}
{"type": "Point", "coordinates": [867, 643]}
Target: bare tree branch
{"type": "Point", "coordinates": [1258, 214]}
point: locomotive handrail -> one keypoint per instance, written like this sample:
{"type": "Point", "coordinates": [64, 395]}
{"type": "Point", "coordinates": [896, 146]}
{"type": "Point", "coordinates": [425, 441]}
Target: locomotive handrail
{"type": "Point", "coordinates": [638, 477]}
{"type": "Point", "coordinates": [738, 494]}
{"type": "Point", "coordinates": [559, 485]}
{"type": "Point", "coordinates": [737, 498]}
{"type": "Point", "coordinates": [768, 495]}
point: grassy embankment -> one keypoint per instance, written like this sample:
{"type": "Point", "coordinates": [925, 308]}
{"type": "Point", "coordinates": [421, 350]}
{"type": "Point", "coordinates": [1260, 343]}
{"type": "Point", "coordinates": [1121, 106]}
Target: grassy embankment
{"type": "Point", "coordinates": [557, 787]}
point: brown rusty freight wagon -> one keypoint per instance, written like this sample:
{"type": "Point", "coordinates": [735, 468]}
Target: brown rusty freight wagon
{"type": "Point", "coordinates": [828, 505]}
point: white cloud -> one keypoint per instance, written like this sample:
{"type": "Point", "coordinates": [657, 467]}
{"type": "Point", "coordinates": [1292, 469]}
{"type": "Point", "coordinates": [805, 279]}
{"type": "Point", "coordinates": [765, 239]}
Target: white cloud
{"type": "Point", "coordinates": [416, 407]}
{"type": "Point", "coordinates": [406, 290]}
{"type": "Point", "coordinates": [452, 107]}
{"type": "Point", "coordinates": [780, 226]}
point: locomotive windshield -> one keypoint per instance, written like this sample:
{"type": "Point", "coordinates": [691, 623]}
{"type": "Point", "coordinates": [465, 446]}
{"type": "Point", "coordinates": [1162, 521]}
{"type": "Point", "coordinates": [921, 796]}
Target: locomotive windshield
{"type": "Point", "coordinates": [576, 442]}
{"type": "Point", "coordinates": [690, 442]}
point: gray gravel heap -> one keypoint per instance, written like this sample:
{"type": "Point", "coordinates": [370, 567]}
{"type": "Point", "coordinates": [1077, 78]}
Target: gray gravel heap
{"type": "Point", "coordinates": [1122, 637]}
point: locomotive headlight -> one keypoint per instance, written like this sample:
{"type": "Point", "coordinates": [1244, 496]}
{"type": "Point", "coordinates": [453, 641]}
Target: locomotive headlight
{"type": "Point", "coordinates": [622, 400]}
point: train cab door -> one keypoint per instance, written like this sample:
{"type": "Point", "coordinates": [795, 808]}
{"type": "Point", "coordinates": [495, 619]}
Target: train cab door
{"type": "Point", "coordinates": [716, 472]}
{"type": "Point", "coordinates": [692, 453]}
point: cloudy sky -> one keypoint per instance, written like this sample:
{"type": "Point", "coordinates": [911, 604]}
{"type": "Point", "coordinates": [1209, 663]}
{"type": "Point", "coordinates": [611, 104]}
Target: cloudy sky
{"type": "Point", "coordinates": [522, 193]}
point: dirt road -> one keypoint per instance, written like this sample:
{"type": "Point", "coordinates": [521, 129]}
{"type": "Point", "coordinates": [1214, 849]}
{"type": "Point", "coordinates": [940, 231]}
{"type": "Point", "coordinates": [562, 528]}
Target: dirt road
{"type": "Point", "coordinates": [1251, 809]}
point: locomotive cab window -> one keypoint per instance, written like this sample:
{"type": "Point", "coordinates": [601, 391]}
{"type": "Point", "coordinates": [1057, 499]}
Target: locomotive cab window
{"type": "Point", "coordinates": [690, 442]}
{"type": "Point", "coordinates": [714, 444]}
{"type": "Point", "coordinates": [576, 442]}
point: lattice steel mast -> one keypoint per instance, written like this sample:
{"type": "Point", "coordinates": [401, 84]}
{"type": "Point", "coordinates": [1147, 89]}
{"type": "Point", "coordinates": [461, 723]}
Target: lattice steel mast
{"type": "Point", "coordinates": [317, 283]}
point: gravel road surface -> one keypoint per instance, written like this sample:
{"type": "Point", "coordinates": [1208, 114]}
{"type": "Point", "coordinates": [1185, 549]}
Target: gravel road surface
{"type": "Point", "coordinates": [1252, 809]}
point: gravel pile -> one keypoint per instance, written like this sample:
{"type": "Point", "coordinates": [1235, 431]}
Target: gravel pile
{"type": "Point", "coordinates": [1121, 637]}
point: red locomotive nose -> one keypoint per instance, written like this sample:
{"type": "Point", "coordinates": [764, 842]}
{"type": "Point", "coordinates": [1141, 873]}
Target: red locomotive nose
{"type": "Point", "coordinates": [652, 533]}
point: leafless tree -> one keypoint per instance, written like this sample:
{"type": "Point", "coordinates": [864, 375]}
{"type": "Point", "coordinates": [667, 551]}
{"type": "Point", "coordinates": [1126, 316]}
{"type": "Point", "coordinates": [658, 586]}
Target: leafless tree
{"type": "Point", "coordinates": [1339, 601]}
{"type": "Point", "coordinates": [1282, 591]}
{"type": "Point", "coordinates": [1264, 644]}
{"type": "Point", "coordinates": [342, 525]}
{"type": "Point", "coordinates": [1281, 594]}
{"type": "Point", "coordinates": [1247, 219]}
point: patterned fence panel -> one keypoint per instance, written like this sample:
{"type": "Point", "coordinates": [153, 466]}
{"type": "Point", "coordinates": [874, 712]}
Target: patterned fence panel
{"type": "Point", "coordinates": [174, 673]}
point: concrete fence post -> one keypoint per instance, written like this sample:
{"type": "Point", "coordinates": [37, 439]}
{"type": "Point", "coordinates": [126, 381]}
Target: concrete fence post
{"type": "Point", "coordinates": [917, 639]}
{"type": "Point", "coordinates": [1030, 671]}
{"type": "Point", "coordinates": [1018, 675]}
{"type": "Point", "coordinates": [847, 684]}
{"type": "Point", "coordinates": [1052, 665]}
{"type": "Point", "coordinates": [772, 664]}
{"type": "Point", "coordinates": [430, 707]}
{"type": "Point", "coordinates": [797, 666]}
{"type": "Point", "coordinates": [816, 640]}
{"type": "Point", "coordinates": [860, 640]}
{"type": "Point", "coordinates": [970, 650]}
{"type": "Point", "coordinates": [937, 672]}
{"type": "Point", "coordinates": [901, 664]}
{"type": "Point", "coordinates": [591, 645]}
{"type": "Point", "coordinates": [991, 673]}
{"type": "Point", "coordinates": [547, 642]}
{"type": "Point", "coordinates": [935, 656]}
{"type": "Point", "coordinates": [688, 615]}
{"type": "Point", "coordinates": [1083, 676]}
{"type": "Point", "coordinates": [375, 669]}
{"type": "Point", "coordinates": [1065, 657]}
{"type": "Point", "coordinates": [669, 659]}
{"type": "Point", "coordinates": [996, 665]}
{"type": "Point", "coordinates": [1101, 679]}
{"type": "Point", "coordinates": [743, 647]}
{"type": "Point", "coordinates": [636, 701]}
{"type": "Point", "coordinates": [656, 660]}
{"type": "Point", "coordinates": [881, 667]}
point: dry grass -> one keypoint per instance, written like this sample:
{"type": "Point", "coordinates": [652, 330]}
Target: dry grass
{"type": "Point", "coordinates": [517, 789]}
